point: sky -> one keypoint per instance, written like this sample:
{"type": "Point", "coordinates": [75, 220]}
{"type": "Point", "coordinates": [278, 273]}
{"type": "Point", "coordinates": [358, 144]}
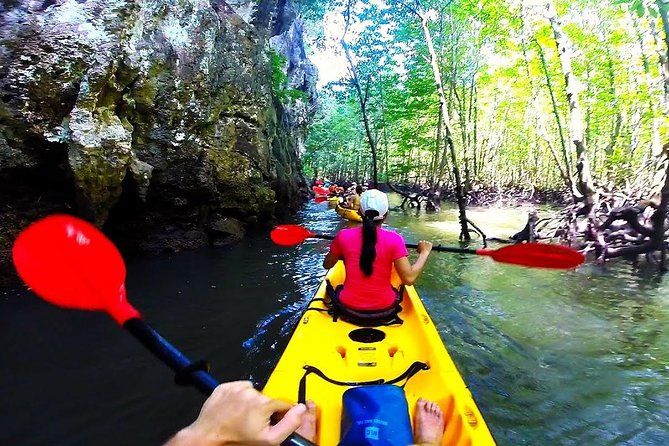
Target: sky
{"type": "Point", "coordinates": [329, 58]}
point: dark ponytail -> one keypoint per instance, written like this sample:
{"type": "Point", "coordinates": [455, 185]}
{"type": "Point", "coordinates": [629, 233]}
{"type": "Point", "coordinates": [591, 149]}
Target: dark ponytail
{"type": "Point", "coordinates": [368, 242]}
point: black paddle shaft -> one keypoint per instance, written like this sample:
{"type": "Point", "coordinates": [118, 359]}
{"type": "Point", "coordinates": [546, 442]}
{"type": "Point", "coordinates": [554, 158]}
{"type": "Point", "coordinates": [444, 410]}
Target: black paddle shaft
{"type": "Point", "coordinates": [197, 373]}
{"type": "Point", "coordinates": [170, 355]}
{"type": "Point", "coordinates": [446, 249]}
{"type": "Point", "coordinates": [413, 245]}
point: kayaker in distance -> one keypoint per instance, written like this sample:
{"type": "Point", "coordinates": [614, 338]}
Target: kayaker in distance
{"type": "Point", "coordinates": [353, 200]}
{"type": "Point", "coordinates": [236, 413]}
{"type": "Point", "coordinates": [334, 189]}
{"type": "Point", "coordinates": [369, 253]}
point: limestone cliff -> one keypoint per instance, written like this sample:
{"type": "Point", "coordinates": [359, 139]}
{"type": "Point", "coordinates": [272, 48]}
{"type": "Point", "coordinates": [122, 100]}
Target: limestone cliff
{"type": "Point", "coordinates": [156, 119]}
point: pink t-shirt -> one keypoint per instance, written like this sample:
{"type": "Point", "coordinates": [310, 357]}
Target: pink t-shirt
{"type": "Point", "coordinates": [374, 292]}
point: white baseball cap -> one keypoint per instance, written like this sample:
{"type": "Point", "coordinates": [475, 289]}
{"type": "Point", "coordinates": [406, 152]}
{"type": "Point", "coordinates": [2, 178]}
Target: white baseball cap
{"type": "Point", "coordinates": [374, 200]}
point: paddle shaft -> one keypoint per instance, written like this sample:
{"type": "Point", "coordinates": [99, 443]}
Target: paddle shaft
{"type": "Point", "coordinates": [169, 354]}
{"type": "Point", "coordinates": [177, 361]}
{"type": "Point", "coordinates": [413, 245]}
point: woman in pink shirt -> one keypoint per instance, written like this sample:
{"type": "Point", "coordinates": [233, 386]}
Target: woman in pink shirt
{"type": "Point", "coordinates": [369, 253]}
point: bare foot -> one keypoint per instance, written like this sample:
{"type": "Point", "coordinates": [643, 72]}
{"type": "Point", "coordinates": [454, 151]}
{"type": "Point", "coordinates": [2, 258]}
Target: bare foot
{"type": "Point", "coordinates": [428, 423]}
{"type": "Point", "coordinates": [308, 427]}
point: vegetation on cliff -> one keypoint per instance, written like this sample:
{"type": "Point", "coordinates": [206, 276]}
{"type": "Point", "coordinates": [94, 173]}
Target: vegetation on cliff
{"type": "Point", "coordinates": [159, 120]}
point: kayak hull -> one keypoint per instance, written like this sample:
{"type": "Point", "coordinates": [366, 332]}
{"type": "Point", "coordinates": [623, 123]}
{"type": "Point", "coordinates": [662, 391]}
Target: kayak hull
{"type": "Point", "coordinates": [329, 346]}
{"type": "Point", "coordinates": [348, 214]}
{"type": "Point", "coordinates": [320, 191]}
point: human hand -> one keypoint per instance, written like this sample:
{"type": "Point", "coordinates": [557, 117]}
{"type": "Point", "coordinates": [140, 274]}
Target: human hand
{"type": "Point", "coordinates": [424, 247]}
{"type": "Point", "coordinates": [236, 413]}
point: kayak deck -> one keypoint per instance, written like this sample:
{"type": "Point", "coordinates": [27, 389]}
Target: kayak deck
{"type": "Point", "coordinates": [320, 342]}
{"type": "Point", "coordinates": [348, 214]}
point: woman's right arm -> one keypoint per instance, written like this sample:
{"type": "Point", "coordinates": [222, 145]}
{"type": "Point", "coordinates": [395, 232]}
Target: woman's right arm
{"type": "Point", "coordinates": [330, 260]}
{"type": "Point", "coordinates": [409, 273]}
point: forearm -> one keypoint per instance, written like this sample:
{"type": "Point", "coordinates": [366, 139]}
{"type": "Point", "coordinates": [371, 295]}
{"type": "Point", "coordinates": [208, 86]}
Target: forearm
{"type": "Point", "coordinates": [417, 268]}
{"type": "Point", "coordinates": [330, 260]}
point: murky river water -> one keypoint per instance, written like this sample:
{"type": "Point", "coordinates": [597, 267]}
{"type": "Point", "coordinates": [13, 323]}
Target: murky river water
{"type": "Point", "coordinates": [552, 358]}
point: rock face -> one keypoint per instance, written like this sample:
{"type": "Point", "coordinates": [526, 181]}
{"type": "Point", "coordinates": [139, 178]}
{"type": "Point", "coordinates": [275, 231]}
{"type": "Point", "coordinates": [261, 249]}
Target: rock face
{"type": "Point", "coordinates": [156, 119]}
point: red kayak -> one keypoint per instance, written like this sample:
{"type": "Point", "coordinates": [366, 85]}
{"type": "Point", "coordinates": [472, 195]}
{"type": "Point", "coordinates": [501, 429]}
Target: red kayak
{"type": "Point", "coordinates": [320, 191]}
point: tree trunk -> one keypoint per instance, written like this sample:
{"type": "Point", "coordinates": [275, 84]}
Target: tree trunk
{"type": "Point", "coordinates": [362, 99]}
{"type": "Point", "coordinates": [558, 120]}
{"type": "Point", "coordinates": [446, 126]}
{"type": "Point", "coordinates": [617, 122]}
{"type": "Point", "coordinates": [663, 7]}
{"type": "Point", "coordinates": [584, 182]}
{"type": "Point", "coordinates": [537, 116]}
{"type": "Point", "coordinates": [655, 148]}
{"type": "Point", "coordinates": [385, 132]}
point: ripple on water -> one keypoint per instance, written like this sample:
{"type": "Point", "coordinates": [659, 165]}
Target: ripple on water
{"type": "Point", "coordinates": [552, 358]}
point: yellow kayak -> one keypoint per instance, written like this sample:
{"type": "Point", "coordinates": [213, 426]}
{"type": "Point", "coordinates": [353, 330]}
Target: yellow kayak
{"type": "Point", "coordinates": [348, 214]}
{"type": "Point", "coordinates": [334, 199]}
{"type": "Point", "coordinates": [384, 352]}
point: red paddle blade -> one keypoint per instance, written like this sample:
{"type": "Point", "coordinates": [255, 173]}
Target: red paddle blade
{"type": "Point", "coordinates": [290, 235]}
{"type": "Point", "coordinates": [320, 199]}
{"type": "Point", "coordinates": [538, 255]}
{"type": "Point", "coordinates": [70, 263]}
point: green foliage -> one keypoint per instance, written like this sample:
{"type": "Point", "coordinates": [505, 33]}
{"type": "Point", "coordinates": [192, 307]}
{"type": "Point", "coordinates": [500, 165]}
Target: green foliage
{"type": "Point", "coordinates": [503, 119]}
{"type": "Point", "coordinates": [280, 88]}
{"type": "Point", "coordinates": [336, 140]}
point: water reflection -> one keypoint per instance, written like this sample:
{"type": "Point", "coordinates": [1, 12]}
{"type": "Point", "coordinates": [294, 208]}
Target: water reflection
{"type": "Point", "coordinates": [560, 358]}
{"type": "Point", "coordinates": [552, 358]}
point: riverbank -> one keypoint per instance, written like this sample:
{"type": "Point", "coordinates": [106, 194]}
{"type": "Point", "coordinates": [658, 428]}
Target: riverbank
{"type": "Point", "coordinates": [179, 238]}
{"type": "Point", "coordinates": [415, 195]}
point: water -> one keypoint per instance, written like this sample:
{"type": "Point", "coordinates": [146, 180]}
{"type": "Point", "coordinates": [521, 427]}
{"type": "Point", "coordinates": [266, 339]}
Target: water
{"type": "Point", "coordinates": [552, 358]}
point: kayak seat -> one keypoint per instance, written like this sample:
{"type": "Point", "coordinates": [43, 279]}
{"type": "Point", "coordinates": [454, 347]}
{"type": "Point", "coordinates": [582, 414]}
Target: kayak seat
{"type": "Point", "coordinates": [362, 318]}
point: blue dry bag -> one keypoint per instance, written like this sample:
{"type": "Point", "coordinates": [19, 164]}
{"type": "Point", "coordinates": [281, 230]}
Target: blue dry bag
{"type": "Point", "coordinates": [375, 415]}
